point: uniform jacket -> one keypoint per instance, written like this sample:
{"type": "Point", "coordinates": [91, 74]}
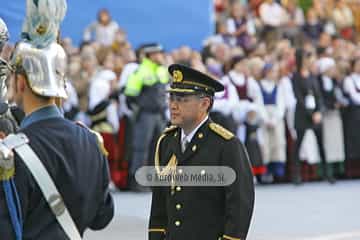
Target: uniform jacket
{"type": "Point", "coordinates": [211, 213]}
{"type": "Point", "coordinates": [79, 170]}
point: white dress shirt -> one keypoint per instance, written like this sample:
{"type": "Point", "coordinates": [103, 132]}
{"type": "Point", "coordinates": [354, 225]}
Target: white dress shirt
{"type": "Point", "coordinates": [187, 138]}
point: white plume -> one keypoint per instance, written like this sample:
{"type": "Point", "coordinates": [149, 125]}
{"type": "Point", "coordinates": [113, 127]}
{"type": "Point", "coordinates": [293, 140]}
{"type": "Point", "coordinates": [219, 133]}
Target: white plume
{"type": "Point", "coordinates": [42, 22]}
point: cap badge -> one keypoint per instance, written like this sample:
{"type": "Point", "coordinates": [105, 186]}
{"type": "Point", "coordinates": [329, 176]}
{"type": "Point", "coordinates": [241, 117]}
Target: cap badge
{"type": "Point", "coordinates": [178, 76]}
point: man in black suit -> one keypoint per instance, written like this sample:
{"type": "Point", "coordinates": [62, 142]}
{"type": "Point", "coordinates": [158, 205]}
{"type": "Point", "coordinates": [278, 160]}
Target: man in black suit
{"type": "Point", "coordinates": [199, 212]}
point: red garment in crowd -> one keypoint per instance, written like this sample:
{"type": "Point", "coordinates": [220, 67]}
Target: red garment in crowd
{"type": "Point", "coordinates": [115, 145]}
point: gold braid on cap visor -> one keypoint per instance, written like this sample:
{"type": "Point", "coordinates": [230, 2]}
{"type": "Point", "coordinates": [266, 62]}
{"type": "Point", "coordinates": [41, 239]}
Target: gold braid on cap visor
{"type": "Point", "coordinates": [188, 86]}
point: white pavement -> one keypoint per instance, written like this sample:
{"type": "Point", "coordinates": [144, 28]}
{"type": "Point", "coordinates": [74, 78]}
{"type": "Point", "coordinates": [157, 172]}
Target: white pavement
{"type": "Point", "coordinates": [313, 211]}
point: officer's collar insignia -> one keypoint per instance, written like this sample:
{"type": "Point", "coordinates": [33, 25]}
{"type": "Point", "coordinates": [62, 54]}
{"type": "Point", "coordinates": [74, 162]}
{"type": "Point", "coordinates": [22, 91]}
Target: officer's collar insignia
{"type": "Point", "coordinates": [226, 134]}
{"type": "Point", "coordinates": [178, 76]}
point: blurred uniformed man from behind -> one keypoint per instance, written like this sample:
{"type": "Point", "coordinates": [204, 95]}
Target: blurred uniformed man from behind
{"type": "Point", "coordinates": [72, 155]}
{"type": "Point", "coordinates": [199, 212]}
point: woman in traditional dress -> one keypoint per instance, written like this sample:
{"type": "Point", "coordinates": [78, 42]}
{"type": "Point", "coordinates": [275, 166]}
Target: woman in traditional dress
{"type": "Point", "coordinates": [308, 111]}
{"type": "Point", "coordinates": [332, 122]}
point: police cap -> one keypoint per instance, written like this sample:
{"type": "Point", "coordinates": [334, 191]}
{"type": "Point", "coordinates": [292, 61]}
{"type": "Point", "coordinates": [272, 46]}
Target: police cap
{"type": "Point", "coordinates": [151, 48]}
{"type": "Point", "coordinates": [189, 80]}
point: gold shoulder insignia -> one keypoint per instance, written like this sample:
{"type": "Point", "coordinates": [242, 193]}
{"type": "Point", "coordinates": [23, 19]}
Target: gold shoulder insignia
{"type": "Point", "coordinates": [223, 132]}
{"type": "Point", "coordinates": [170, 129]}
{"type": "Point", "coordinates": [99, 138]}
{"type": "Point", "coordinates": [100, 142]}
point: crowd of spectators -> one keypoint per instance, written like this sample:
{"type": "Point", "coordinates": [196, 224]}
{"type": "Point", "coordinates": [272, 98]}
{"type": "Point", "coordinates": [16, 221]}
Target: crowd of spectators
{"type": "Point", "coordinates": [291, 70]}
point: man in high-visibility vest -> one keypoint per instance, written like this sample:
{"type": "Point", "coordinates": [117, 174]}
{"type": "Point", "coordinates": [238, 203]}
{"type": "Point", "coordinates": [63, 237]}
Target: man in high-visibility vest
{"type": "Point", "coordinates": [146, 95]}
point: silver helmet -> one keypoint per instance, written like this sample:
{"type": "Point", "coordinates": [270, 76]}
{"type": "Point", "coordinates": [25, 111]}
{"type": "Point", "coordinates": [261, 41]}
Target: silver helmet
{"type": "Point", "coordinates": [4, 66]}
{"type": "Point", "coordinates": [4, 73]}
{"type": "Point", "coordinates": [38, 56]}
{"type": "Point", "coordinates": [45, 68]}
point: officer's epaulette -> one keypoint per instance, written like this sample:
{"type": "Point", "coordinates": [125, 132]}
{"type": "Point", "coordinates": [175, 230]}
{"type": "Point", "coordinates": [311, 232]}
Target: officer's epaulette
{"type": "Point", "coordinates": [170, 129]}
{"type": "Point", "coordinates": [99, 138]}
{"type": "Point", "coordinates": [223, 132]}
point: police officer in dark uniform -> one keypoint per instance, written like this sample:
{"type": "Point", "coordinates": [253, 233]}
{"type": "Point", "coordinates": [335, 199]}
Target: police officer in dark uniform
{"type": "Point", "coordinates": [199, 212]}
{"type": "Point", "coordinates": [72, 155]}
